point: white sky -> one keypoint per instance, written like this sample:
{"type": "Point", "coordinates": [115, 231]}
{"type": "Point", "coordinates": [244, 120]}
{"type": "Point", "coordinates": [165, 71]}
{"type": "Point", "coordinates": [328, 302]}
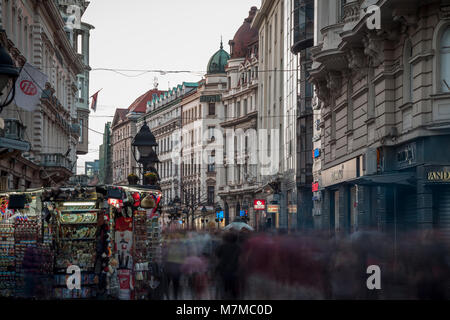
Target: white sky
{"type": "Point", "coordinates": [152, 35]}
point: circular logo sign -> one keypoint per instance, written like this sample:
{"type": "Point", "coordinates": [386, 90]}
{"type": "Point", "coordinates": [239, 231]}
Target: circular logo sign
{"type": "Point", "coordinates": [28, 87]}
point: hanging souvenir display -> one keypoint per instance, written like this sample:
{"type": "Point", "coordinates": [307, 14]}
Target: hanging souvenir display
{"type": "Point", "coordinates": [77, 216]}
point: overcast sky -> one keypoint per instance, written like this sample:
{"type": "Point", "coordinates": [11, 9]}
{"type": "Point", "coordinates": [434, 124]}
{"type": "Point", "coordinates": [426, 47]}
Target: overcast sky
{"type": "Point", "coordinates": [152, 35]}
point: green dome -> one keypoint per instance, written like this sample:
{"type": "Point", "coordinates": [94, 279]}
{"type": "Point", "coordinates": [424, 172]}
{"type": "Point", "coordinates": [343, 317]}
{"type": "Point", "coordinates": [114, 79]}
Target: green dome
{"type": "Point", "coordinates": [218, 61]}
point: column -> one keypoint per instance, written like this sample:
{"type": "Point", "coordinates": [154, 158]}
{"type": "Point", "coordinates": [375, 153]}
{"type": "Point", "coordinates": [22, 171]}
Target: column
{"type": "Point", "coordinates": [424, 202]}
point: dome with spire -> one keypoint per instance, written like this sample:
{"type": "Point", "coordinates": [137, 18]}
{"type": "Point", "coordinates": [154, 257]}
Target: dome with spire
{"type": "Point", "coordinates": [245, 36]}
{"type": "Point", "coordinates": [218, 61]}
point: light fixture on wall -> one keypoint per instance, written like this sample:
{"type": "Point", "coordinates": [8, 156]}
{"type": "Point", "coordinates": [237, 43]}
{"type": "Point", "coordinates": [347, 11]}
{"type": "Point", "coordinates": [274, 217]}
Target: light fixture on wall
{"type": "Point", "coordinates": [8, 73]}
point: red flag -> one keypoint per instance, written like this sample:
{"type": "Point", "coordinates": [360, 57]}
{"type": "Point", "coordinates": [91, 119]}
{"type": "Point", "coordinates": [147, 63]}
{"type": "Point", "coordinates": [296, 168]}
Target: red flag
{"type": "Point", "coordinates": [94, 100]}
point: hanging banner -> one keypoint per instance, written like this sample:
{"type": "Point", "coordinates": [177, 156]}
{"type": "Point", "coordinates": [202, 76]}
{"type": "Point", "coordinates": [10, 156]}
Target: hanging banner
{"type": "Point", "coordinates": [29, 87]}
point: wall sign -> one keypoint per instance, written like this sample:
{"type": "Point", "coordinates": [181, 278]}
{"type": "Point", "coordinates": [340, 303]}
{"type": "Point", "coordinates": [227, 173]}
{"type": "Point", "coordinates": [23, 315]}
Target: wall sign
{"type": "Point", "coordinates": [316, 153]}
{"type": "Point", "coordinates": [259, 204]}
{"type": "Point", "coordinates": [315, 186]}
{"type": "Point", "coordinates": [340, 173]}
{"type": "Point", "coordinates": [438, 174]}
{"type": "Point", "coordinates": [215, 98]}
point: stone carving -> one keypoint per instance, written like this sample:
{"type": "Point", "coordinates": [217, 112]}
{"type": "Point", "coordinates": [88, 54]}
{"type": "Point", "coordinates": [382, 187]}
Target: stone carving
{"type": "Point", "coordinates": [334, 81]}
{"type": "Point", "coordinates": [322, 91]}
{"type": "Point", "coordinates": [357, 62]}
{"type": "Point", "coordinates": [374, 48]}
{"type": "Point", "coordinates": [407, 21]}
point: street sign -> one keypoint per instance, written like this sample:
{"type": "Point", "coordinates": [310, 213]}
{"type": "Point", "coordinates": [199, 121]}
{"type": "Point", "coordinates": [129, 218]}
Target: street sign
{"type": "Point", "coordinates": [259, 204]}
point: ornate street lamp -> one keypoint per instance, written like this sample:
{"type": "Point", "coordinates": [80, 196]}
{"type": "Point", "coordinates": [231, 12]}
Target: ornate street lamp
{"type": "Point", "coordinates": [8, 72]}
{"type": "Point", "coordinates": [142, 148]}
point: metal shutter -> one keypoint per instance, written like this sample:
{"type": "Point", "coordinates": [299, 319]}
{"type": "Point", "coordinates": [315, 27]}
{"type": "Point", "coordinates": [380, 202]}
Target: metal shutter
{"type": "Point", "coordinates": [444, 212]}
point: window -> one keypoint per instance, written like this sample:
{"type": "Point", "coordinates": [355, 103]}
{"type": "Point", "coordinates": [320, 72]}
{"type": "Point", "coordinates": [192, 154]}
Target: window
{"type": "Point", "coordinates": [211, 162]}
{"type": "Point", "coordinates": [238, 109]}
{"type": "Point", "coordinates": [245, 107]}
{"type": "Point", "coordinates": [445, 61]}
{"type": "Point", "coordinates": [211, 133]}
{"type": "Point", "coordinates": [212, 109]}
{"type": "Point", "coordinates": [81, 131]}
{"type": "Point", "coordinates": [211, 195]}
{"type": "Point", "coordinates": [408, 75]}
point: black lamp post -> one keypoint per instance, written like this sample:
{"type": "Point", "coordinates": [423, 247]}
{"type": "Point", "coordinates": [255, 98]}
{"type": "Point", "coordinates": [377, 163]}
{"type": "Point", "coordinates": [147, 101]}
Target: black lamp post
{"type": "Point", "coordinates": [143, 152]}
{"type": "Point", "coordinates": [204, 212]}
{"type": "Point", "coordinates": [8, 72]}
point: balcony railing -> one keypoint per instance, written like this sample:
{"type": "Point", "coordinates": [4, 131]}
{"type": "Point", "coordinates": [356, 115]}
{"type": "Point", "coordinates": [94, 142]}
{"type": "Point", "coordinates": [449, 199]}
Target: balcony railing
{"type": "Point", "coordinates": [55, 160]}
{"type": "Point", "coordinates": [12, 136]}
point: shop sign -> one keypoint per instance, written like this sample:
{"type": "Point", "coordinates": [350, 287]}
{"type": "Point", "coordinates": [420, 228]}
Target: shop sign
{"type": "Point", "coordinates": [272, 208]}
{"type": "Point", "coordinates": [292, 208]}
{"type": "Point", "coordinates": [340, 173]}
{"type": "Point", "coordinates": [243, 213]}
{"type": "Point", "coordinates": [316, 153]}
{"type": "Point", "coordinates": [315, 186]}
{"type": "Point", "coordinates": [441, 174]}
{"type": "Point", "coordinates": [214, 98]}
{"type": "Point", "coordinates": [219, 215]}
{"type": "Point", "coordinates": [259, 204]}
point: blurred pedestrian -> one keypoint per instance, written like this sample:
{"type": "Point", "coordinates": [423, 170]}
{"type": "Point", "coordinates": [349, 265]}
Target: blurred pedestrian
{"type": "Point", "coordinates": [228, 254]}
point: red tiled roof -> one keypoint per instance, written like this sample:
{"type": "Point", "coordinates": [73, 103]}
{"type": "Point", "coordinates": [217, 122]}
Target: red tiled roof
{"type": "Point", "coordinates": [120, 114]}
{"type": "Point", "coordinates": [140, 104]}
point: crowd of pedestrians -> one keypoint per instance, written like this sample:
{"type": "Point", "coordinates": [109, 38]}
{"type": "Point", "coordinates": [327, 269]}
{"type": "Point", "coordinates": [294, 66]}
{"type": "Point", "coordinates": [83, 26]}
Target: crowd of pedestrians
{"type": "Point", "coordinates": [244, 265]}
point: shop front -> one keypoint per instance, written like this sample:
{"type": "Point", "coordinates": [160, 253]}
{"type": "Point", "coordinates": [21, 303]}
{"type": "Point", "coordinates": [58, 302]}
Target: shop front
{"type": "Point", "coordinates": [340, 196]}
{"type": "Point", "coordinates": [437, 179]}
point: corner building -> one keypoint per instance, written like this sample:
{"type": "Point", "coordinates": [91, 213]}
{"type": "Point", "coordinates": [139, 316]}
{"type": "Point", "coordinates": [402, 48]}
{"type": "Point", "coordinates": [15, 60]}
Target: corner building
{"type": "Point", "coordinates": [384, 100]}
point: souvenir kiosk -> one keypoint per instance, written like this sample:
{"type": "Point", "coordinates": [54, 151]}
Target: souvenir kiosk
{"type": "Point", "coordinates": [137, 239]}
{"type": "Point", "coordinates": [76, 216]}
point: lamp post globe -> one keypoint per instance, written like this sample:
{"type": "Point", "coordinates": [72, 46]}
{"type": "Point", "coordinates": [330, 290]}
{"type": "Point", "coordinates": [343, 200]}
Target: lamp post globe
{"type": "Point", "coordinates": [142, 148]}
{"type": "Point", "coordinates": [8, 72]}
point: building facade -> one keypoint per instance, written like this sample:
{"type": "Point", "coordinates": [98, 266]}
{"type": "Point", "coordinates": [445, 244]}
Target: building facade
{"type": "Point", "coordinates": [105, 172]}
{"type": "Point", "coordinates": [123, 131]}
{"type": "Point", "coordinates": [277, 176]}
{"type": "Point", "coordinates": [301, 35]}
{"type": "Point", "coordinates": [384, 102]}
{"type": "Point", "coordinates": [34, 32]}
{"type": "Point", "coordinates": [163, 117]}
{"type": "Point", "coordinates": [79, 33]}
{"type": "Point", "coordinates": [237, 177]}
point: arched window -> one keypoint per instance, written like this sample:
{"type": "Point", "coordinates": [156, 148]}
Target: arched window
{"type": "Point", "coordinates": [408, 74]}
{"type": "Point", "coordinates": [444, 65]}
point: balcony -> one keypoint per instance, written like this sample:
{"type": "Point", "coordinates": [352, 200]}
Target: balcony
{"type": "Point", "coordinates": [11, 137]}
{"type": "Point", "coordinates": [303, 29]}
{"type": "Point", "coordinates": [55, 160]}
